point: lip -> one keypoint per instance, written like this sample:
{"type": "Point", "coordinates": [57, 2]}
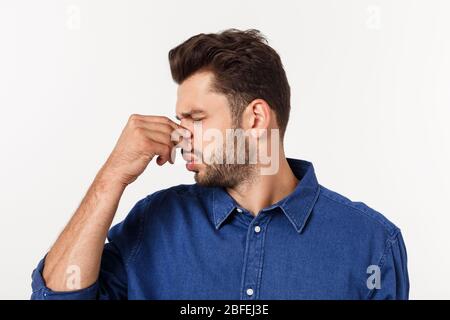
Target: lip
{"type": "Point", "coordinates": [190, 165]}
{"type": "Point", "coordinates": [191, 160]}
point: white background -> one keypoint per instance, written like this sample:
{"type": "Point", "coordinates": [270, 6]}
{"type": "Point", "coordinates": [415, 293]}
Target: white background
{"type": "Point", "coordinates": [370, 87]}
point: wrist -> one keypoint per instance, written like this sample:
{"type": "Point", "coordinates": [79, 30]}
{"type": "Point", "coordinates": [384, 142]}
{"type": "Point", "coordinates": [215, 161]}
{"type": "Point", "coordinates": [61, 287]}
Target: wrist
{"type": "Point", "coordinates": [106, 179]}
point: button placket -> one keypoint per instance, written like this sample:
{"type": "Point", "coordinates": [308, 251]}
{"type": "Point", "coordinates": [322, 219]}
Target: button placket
{"type": "Point", "coordinates": [253, 257]}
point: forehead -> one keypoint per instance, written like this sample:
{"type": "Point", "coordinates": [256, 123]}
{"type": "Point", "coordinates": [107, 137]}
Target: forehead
{"type": "Point", "coordinates": [195, 93]}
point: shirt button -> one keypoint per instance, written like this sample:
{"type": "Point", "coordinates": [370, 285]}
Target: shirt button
{"type": "Point", "coordinates": [257, 229]}
{"type": "Point", "coordinates": [239, 210]}
{"type": "Point", "coordinates": [249, 291]}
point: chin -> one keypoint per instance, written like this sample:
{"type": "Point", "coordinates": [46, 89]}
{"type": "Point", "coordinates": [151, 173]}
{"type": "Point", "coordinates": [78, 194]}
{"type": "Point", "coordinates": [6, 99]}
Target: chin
{"type": "Point", "coordinates": [198, 177]}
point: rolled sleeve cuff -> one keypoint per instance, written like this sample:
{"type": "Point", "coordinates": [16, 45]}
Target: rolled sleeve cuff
{"type": "Point", "coordinates": [41, 292]}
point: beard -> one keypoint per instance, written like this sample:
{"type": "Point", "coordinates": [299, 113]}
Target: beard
{"type": "Point", "coordinates": [227, 175]}
{"type": "Point", "coordinates": [224, 175]}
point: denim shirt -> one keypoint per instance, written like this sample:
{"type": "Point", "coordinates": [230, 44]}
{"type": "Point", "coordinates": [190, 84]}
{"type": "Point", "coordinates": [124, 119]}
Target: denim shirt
{"type": "Point", "coordinates": [195, 242]}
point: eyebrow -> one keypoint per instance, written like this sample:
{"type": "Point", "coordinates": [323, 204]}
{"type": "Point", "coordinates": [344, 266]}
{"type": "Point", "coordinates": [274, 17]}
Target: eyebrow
{"type": "Point", "coordinates": [188, 114]}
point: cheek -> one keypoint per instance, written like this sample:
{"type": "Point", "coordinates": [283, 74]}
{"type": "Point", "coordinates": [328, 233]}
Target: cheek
{"type": "Point", "coordinates": [209, 142]}
{"type": "Point", "coordinates": [211, 134]}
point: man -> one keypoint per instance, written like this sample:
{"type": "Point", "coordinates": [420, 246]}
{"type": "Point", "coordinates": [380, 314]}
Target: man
{"type": "Point", "coordinates": [258, 228]}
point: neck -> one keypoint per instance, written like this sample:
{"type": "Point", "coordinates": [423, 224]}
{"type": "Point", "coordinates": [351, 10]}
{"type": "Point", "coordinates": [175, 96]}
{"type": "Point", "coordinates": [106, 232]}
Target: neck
{"type": "Point", "coordinates": [265, 190]}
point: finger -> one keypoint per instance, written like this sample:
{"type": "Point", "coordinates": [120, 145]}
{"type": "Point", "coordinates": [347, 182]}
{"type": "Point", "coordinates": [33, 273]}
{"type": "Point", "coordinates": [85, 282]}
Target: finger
{"type": "Point", "coordinates": [159, 119]}
{"type": "Point", "coordinates": [181, 135]}
{"type": "Point", "coordinates": [185, 145]}
{"type": "Point", "coordinates": [163, 151]}
{"type": "Point", "coordinates": [176, 136]}
{"type": "Point", "coordinates": [158, 136]}
{"type": "Point", "coordinates": [156, 126]}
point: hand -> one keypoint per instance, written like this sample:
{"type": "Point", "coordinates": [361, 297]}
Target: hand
{"type": "Point", "coordinates": [142, 138]}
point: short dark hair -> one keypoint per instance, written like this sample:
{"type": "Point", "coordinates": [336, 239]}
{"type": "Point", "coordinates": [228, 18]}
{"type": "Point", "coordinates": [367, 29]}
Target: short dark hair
{"type": "Point", "coordinates": [245, 68]}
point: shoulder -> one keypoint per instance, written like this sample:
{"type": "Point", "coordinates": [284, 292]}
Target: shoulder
{"type": "Point", "coordinates": [177, 192]}
{"type": "Point", "coordinates": [354, 214]}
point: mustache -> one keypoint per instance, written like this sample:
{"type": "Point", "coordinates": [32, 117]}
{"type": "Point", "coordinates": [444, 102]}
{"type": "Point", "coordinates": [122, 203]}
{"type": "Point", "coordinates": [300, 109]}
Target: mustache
{"type": "Point", "coordinates": [193, 153]}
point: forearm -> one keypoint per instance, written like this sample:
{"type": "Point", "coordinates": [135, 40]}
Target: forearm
{"type": "Point", "coordinates": [81, 243]}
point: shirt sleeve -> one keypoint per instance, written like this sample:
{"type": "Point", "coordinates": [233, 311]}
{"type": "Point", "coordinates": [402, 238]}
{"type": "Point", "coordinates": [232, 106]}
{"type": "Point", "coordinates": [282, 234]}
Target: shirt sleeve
{"type": "Point", "coordinates": [394, 283]}
{"type": "Point", "coordinates": [123, 242]}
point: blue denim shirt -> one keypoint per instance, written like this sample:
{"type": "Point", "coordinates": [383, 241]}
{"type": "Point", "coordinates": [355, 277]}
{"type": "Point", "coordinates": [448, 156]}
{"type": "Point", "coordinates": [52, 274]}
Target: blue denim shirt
{"type": "Point", "coordinates": [194, 242]}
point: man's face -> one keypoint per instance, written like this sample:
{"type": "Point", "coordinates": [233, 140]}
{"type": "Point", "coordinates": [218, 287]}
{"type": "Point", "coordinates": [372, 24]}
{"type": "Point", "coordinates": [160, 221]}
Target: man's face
{"type": "Point", "coordinates": [206, 114]}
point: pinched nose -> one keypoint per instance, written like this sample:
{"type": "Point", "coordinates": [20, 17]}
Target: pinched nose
{"type": "Point", "coordinates": [187, 156]}
{"type": "Point", "coordinates": [190, 155]}
{"type": "Point", "coordinates": [181, 134]}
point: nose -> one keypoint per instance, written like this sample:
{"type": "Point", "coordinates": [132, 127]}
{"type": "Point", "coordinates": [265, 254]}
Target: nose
{"type": "Point", "coordinates": [187, 155]}
{"type": "Point", "coordinates": [186, 142]}
{"type": "Point", "coordinates": [187, 124]}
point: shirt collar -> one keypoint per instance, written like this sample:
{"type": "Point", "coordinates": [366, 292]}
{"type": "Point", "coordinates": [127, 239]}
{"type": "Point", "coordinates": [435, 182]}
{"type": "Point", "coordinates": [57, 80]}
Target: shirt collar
{"type": "Point", "coordinates": [297, 206]}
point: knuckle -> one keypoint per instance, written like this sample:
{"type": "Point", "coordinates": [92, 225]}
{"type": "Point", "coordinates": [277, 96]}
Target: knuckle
{"type": "Point", "coordinates": [167, 138]}
{"type": "Point", "coordinates": [133, 119]}
{"type": "Point", "coordinates": [165, 120]}
{"type": "Point", "coordinates": [134, 116]}
{"type": "Point", "coordinates": [138, 131]}
{"type": "Point", "coordinates": [147, 145]}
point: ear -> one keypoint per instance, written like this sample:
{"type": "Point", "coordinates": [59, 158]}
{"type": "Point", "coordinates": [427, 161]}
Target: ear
{"type": "Point", "coordinates": [257, 117]}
